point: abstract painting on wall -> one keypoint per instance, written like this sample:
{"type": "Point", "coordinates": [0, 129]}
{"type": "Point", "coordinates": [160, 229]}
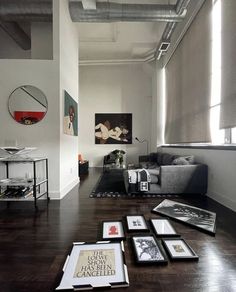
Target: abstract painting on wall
{"type": "Point", "coordinates": [113, 128]}
{"type": "Point", "coordinates": [70, 120]}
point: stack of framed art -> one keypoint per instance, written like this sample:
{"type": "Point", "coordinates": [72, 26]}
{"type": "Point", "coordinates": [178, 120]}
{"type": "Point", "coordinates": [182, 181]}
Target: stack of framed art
{"type": "Point", "coordinates": [102, 264]}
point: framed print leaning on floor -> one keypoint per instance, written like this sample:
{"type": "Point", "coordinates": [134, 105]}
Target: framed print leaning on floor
{"type": "Point", "coordinates": [95, 265]}
{"type": "Point", "coordinates": [148, 250]}
{"type": "Point", "coordinates": [112, 230]}
{"type": "Point", "coordinates": [178, 249]}
{"type": "Point", "coordinates": [136, 223]}
{"type": "Point", "coordinates": [163, 227]}
{"type": "Point", "coordinates": [196, 217]}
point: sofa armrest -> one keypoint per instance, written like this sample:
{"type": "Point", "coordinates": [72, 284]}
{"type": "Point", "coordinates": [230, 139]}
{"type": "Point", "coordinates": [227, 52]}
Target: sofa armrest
{"type": "Point", "coordinates": [184, 178]}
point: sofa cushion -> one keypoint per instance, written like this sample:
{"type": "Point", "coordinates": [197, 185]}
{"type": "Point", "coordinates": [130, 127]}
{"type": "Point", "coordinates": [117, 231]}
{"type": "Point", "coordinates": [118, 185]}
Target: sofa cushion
{"type": "Point", "coordinates": [153, 157]}
{"type": "Point", "coordinates": [154, 174]}
{"type": "Point", "coordinates": [167, 159]}
{"type": "Point", "coordinates": [148, 165]}
{"type": "Point", "coordinates": [183, 160]}
{"type": "Point", "coordinates": [154, 179]}
{"type": "Point", "coordinates": [159, 158]}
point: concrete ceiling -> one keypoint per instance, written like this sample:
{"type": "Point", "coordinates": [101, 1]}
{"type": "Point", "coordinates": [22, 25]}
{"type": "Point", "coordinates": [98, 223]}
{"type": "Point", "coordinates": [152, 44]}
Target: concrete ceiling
{"type": "Point", "coordinates": [100, 42]}
{"type": "Point", "coordinates": [120, 40]}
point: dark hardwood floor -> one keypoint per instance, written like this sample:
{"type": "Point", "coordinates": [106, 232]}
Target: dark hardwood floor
{"type": "Point", "coordinates": [34, 245]}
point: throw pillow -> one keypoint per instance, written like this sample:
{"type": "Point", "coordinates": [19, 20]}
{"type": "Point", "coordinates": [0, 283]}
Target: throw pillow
{"type": "Point", "coordinates": [183, 160]}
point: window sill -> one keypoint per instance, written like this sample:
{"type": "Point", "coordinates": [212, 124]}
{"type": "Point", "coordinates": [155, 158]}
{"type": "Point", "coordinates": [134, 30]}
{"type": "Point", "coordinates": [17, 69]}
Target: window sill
{"type": "Point", "coordinates": [231, 147]}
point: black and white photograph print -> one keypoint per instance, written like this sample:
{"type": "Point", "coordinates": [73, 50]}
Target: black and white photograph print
{"type": "Point", "coordinates": [199, 218]}
{"type": "Point", "coordinates": [113, 128]}
{"type": "Point", "coordinates": [178, 249]}
{"type": "Point", "coordinates": [148, 250]}
{"type": "Point", "coordinates": [136, 223]}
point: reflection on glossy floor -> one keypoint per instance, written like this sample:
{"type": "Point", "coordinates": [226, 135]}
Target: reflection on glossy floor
{"type": "Point", "coordinates": [34, 246]}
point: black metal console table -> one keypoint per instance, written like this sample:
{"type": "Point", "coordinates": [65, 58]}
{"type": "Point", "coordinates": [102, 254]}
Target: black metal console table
{"type": "Point", "coordinates": [34, 184]}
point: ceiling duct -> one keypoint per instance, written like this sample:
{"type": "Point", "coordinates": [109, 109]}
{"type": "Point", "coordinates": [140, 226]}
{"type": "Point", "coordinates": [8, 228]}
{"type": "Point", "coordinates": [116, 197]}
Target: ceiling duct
{"type": "Point", "coordinates": [14, 11]}
{"type": "Point", "coordinates": [26, 10]}
{"type": "Point", "coordinates": [180, 7]}
{"type": "Point", "coordinates": [114, 12]}
{"type": "Point", "coordinates": [17, 34]}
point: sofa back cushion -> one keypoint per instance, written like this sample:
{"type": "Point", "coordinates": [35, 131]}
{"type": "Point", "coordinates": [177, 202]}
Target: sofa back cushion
{"type": "Point", "coordinates": [153, 157]}
{"type": "Point", "coordinates": [183, 160]}
{"type": "Point", "coordinates": [159, 158]}
{"type": "Point", "coordinates": [167, 159]}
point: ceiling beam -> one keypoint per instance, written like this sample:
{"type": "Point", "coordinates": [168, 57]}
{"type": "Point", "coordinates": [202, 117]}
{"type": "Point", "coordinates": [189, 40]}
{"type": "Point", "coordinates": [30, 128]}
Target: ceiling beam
{"type": "Point", "coordinates": [89, 4]}
{"type": "Point", "coordinates": [17, 34]}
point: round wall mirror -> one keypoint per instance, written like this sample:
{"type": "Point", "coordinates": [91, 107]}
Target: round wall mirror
{"type": "Point", "coordinates": [27, 105]}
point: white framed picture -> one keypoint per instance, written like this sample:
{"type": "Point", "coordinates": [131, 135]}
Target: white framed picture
{"type": "Point", "coordinates": [112, 230]}
{"type": "Point", "coordinates": [95, 265]}
{"type": "Point", "coordinates": [136, 223]}
{"type": "Point", "coordinates": [163, 227]}
{"type": "Point", "coordinates": [178, 249]}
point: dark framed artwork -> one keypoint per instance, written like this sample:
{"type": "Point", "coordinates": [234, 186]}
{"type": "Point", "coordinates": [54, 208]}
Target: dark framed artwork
{"type": "Point", "coordinates": [178, 249]}
{"type": "Point", "coordinates": [136, 223]}
{"type": "Point", "coordinates": [95, 265]}
{"type": "Point", "coordinates": [196, 217]}
{"type": "Point", "coordinates": [112, 230]}
{"type": "Point", "coordinates": [113, 128]}
{"type": "Point", "coordinates": [148, 250]}
{"type": "Point", "coordinates": [70, 119]}
{"type": "Point", "coordinates": [163, 227]}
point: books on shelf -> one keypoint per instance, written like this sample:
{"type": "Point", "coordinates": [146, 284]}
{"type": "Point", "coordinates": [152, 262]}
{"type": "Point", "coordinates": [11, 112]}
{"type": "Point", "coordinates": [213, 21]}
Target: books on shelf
{"type": "Point", "coordinates": [17, 192]}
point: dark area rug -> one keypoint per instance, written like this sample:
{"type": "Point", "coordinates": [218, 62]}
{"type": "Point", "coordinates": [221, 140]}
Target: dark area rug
{"type": "Point", "coordinates": [111, 185]}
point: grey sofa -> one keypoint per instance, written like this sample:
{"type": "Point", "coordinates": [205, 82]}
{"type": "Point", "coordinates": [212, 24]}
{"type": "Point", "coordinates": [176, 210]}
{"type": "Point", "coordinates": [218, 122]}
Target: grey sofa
{"type": "Point", "coordinates": [172, 174]}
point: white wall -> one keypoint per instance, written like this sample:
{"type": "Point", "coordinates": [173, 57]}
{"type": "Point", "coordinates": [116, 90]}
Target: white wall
{"type": "Point", "coordinates": [69, 69]}
{"type": "Point", "coordinates": [42, 40]}
{"type": "Point", "coordinates": [45, 134]}
{"type": "Point", "coordinates": [52, 77]}
{"type": "Point", "coordinates": [114, 89]}
{"type": "Point", "coordinates": [221, 172]}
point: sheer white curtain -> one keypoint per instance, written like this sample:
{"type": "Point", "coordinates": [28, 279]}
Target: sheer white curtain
{"type": "Point", "coordinates": [228, 72]}
{"type": "Point", "coordinates": [188, 84]}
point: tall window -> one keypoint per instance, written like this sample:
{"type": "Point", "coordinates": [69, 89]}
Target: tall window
{"type": "Point", "coordinates": [217, 135]}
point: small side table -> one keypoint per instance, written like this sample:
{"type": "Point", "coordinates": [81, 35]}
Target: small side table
{"type": "Point", "coordinates": [83, 167]}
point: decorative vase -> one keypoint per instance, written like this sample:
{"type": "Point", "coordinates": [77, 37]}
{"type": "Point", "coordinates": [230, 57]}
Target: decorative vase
{"type": "Point", "coordinates": [117, 161]}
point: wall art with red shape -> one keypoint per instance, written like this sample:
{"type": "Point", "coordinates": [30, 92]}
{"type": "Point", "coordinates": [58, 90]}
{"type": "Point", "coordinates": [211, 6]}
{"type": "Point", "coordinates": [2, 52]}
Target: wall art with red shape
{"type": "Point", "coordinates": [28, 118]}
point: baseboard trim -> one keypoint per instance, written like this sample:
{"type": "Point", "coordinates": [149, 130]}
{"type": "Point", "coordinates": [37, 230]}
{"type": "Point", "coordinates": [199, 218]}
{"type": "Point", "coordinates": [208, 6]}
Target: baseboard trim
{"type": "Point", "coordinates": [222, 200]}
{"type": "Point", "coordinates": [56, 195]}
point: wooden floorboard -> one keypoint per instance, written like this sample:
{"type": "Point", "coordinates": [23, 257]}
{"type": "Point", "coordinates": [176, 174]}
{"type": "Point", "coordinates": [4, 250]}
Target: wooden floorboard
{"type": "Point", "coordinates": [34, 245]}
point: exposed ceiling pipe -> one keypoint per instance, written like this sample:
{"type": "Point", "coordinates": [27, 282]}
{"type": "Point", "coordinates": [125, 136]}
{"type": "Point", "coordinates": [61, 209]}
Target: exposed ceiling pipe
{"type": "Point", "coordinates": [17, 34]}
{"type": "Point", "coordinates": [181, 6]}
{"type": "Point", "coordinates": [89, 4]}
{"type": "Point", "coordinates": [113, 12]}
{"type": "Point", "coordinates": [13, 11]}
{"type": "Point", "coordinates": [26, 10]}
